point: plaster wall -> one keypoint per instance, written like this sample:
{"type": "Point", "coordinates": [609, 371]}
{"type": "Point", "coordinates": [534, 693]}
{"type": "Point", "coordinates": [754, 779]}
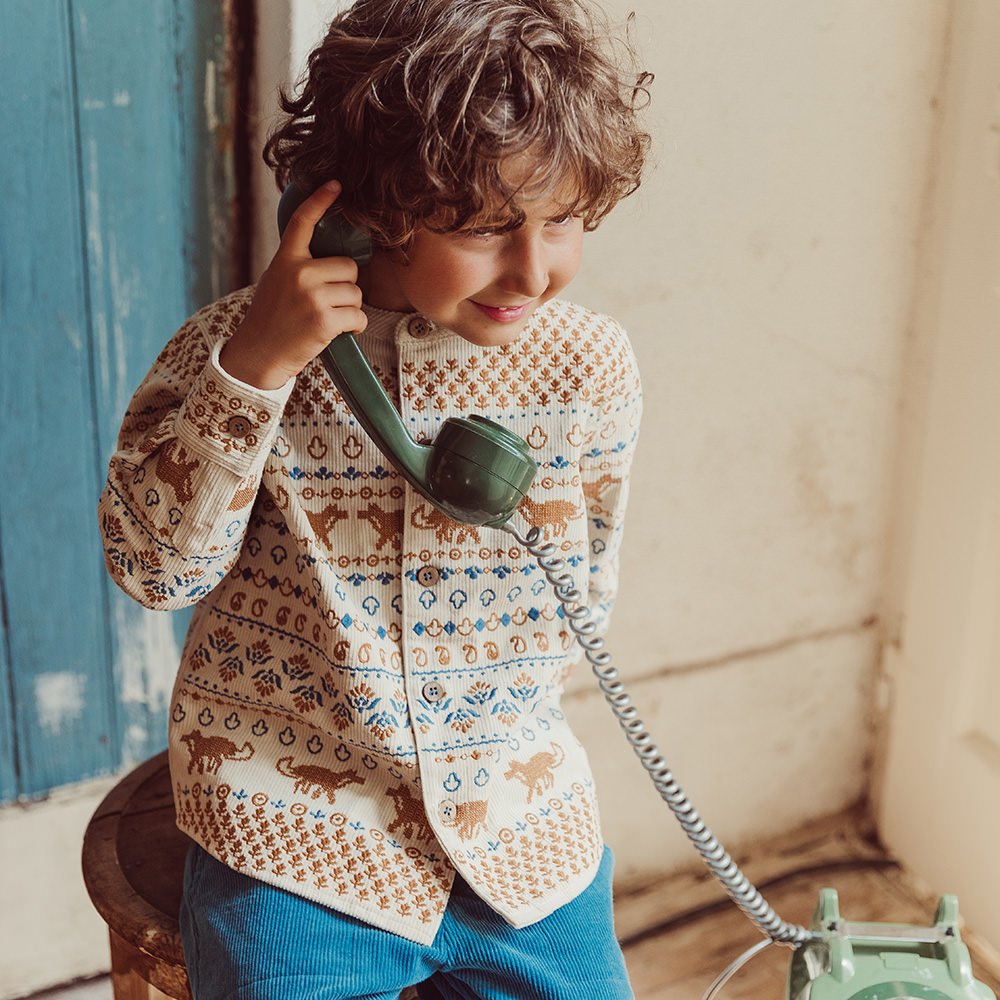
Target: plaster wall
{"type": "Point", "coordinates": [767, 272]}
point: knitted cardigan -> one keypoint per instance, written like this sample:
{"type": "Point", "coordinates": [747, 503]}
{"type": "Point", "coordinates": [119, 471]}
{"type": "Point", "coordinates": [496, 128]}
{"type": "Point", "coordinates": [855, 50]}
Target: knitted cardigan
{"type": "Point", "coordinates": [369, 693]}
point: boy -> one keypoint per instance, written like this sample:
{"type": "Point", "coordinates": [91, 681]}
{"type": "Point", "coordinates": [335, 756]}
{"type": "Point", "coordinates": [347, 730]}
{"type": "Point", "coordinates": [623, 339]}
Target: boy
{"type": "Point", "coordinates": [366, 740]}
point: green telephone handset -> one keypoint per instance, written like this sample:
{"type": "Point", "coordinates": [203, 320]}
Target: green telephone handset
{"type": "Point", "coordinates": [476, 471]}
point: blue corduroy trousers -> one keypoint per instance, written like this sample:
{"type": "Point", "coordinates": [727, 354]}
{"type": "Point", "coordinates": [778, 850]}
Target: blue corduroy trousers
{"type": "Point", "coordinates": [246, 940]}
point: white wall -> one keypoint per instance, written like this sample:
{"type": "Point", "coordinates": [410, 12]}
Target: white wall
{"type": "Point", "coordinates": [942, 643]}
{"type": "Point", "coordinates": [765, 271]}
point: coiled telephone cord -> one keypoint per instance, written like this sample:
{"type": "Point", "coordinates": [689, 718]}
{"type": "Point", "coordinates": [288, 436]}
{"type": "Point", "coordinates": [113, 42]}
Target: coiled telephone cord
{"type": "Point", "coordinates": [580, 620]}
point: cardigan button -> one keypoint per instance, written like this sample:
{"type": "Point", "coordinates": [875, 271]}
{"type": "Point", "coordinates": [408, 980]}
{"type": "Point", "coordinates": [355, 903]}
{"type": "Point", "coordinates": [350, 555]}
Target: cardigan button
{"type": "Point", "coordinates": [418, 327]}
{"type": "Point", "coordinates": [433, 691]}
{"type": "Point", "coordinates": [239, 426]}
{"type": "Point", "coordinates": [428, 576]}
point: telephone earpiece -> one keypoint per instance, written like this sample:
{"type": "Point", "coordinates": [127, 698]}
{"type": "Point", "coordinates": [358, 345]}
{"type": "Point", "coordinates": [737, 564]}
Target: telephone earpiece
{"type": "Point", "coordinates": [476, 471]}
{"type": "Point", "coordinates": [333, 235]}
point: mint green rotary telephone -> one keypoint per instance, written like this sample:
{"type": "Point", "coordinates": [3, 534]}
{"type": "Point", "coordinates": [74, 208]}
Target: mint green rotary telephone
{"type": "Point", "coordinates": [477, 472]}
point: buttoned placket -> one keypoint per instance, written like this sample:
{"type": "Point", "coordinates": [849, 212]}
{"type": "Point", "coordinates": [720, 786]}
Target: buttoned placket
{"type": "Point", "coordinates": [427, 691]}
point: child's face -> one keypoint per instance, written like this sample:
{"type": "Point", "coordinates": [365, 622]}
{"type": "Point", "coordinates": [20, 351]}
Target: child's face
{"type": "Point", "coordinates": [482, 285]}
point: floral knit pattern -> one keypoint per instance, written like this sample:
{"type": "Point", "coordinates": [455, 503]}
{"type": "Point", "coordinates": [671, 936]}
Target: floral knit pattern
{"type": "Point", "coordinates": [369, 694]}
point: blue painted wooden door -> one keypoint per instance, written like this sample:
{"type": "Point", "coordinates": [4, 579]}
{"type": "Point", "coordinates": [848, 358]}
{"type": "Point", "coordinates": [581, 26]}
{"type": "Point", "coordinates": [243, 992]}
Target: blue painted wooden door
{"type": "Point", "coordinates": [116, 181]}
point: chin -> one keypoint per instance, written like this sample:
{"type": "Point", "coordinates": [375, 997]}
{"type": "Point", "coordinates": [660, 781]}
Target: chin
{"type": "Point", "coordinates": [492, 338]}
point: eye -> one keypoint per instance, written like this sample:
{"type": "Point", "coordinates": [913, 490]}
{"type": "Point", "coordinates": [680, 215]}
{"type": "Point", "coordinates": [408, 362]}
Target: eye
{"type": "Point", "coordinates": [561, 220]}
{"type": "Point", "coordinates": [475, 236]}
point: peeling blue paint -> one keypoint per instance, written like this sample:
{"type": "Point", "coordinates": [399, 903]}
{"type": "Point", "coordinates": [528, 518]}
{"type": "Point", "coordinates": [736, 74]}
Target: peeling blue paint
{"type": "Point", "coordinates": [109, 175]}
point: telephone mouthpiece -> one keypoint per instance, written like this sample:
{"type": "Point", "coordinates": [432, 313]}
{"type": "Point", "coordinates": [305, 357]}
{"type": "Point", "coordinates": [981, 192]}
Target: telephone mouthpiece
{"type": "Point", "coordinates": [479, 471]}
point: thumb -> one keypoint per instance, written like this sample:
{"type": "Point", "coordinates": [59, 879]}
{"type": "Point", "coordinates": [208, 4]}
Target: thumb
{"type": "Point", "coordinates": [299, 231]}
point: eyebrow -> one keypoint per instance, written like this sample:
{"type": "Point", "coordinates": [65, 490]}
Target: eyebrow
{"type": "Point", "coordinates": [514, 222]}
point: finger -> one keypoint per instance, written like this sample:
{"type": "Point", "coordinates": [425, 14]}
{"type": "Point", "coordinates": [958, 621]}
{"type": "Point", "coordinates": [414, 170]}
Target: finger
{"type": "Point", "coordinates": [299, 231]}
{"type": "Point", "coordinates": [335, 293]}
{"type": "Point", "coordinates": [330, 271]}
{"type": "Point", "coordinates": [355, 319]}
{"type": "Point", "coordinates": [347, 319]}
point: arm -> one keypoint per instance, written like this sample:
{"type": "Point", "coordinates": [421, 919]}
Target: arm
{"type": "Point", "coordinates": [606, 462]}
{"type": "Point", "coordinates": [194, 441]}
{"type": "Point", "coordinates": [191, 452]}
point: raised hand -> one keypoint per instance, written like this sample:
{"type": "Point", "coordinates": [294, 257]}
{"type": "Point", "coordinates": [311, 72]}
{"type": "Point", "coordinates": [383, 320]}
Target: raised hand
{"type": "Point", "coordinates": [300, 305]}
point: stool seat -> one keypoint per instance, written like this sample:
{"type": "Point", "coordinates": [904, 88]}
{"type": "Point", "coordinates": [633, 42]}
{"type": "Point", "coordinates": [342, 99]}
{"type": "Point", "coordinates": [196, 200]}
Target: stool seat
{"type": "Point", "coordinates": [133, 865]}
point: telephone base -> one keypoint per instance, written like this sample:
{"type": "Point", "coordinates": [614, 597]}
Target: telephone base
{"type": "Point", "coordinates": [869, 961]}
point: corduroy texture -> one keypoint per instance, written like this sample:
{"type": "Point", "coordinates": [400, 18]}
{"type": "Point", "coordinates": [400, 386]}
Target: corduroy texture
{"type": "Point", "coordinates": [245, 939]}
{"type": "Point", "coordinates": [369, 694]}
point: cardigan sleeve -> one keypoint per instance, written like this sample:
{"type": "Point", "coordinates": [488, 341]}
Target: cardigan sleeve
{"type": "Point", "coordinates": [606, 463]}
{"type": "Point", "coordinates": [188, 465]}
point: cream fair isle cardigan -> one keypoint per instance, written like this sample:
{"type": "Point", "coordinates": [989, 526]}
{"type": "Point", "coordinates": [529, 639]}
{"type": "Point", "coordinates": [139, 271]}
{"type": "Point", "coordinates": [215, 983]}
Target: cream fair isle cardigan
{"type": "Point", "coordinates": [369, 694]}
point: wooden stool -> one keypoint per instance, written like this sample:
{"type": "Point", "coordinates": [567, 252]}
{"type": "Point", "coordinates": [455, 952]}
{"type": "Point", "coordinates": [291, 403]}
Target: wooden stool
{"type": "Point", "coordinates": [133, 866]}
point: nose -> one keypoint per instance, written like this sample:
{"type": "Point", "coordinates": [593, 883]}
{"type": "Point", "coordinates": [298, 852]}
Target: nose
{"type": "Point", "coordinates": [526, 270]}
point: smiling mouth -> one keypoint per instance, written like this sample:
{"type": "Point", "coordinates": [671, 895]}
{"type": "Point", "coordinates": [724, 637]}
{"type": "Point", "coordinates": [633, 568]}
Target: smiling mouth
{"type": "Point", "coordinates": [502, 314]}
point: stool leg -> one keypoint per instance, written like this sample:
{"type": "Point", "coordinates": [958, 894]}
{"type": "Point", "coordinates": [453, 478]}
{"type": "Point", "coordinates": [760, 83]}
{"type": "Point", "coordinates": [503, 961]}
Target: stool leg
{"type": "Point", "coordinates": [127, 982]}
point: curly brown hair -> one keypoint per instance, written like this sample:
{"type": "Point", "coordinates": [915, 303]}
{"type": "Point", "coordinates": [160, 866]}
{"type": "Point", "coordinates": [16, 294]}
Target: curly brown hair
{"type": "Point", "coordinates": [416, 106]}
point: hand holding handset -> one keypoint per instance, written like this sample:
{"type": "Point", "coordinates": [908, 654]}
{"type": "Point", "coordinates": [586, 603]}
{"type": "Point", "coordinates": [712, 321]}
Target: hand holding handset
{"type": "Point", "coordinates": [476, 471]}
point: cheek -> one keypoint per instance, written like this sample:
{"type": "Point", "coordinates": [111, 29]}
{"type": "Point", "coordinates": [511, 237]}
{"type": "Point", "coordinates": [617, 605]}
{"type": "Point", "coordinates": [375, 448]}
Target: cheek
{"type": "Point", "coordinates": [446, 275]}
{"type": "Point", "coordinates": [567, 263]}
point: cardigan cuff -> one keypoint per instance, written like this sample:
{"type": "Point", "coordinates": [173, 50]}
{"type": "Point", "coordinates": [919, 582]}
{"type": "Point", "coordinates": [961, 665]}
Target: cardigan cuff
{"type": "Point", "coordinates": [226, 420]}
